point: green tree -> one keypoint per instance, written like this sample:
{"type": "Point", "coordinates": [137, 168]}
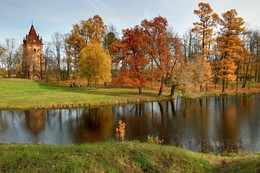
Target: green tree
{"type": "Point", "coordinates": [95, 64]}
{"type": "Point", "coordinates": [110, 36]}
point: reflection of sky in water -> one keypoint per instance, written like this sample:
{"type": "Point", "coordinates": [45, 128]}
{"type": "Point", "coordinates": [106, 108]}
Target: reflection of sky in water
{"type": "Point", "coordinates": [212, 124]}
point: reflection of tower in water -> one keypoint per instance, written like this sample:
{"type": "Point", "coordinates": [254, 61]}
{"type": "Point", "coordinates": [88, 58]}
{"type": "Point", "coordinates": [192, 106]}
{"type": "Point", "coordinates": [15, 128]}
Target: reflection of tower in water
{"type": "Point", "coordinates": [35, 121]}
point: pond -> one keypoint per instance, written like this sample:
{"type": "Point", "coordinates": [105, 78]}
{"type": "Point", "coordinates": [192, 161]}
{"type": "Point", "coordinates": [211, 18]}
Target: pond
{"type": "Point", "coordinates": [221, 124]}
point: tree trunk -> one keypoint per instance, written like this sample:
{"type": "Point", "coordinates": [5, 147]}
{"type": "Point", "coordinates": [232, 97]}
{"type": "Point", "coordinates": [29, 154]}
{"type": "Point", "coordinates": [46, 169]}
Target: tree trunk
{"type": "Point", "coordinates": [68, 70]}
{"type": "Point", "coordinates": [250, 76]}
{"type": "Point", "coordinates": [173, 89]}
{"type": "Point", "coordinates": [245, 76]}
{"type": "Point", "coordinates": [140, 90]}
{"type": "Point", "coordinates": [152, 76]}
{"type": "Point", "coordinates": [237, 77]}
{"type": "Point", "coordinates": [161, 87]}
{"type": "Point", "coordinates": [227, 84]}
{"type": "Point", "coordinates": [223, 85]}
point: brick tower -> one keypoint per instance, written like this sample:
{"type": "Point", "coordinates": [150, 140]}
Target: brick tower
{"type": "Point", "coordinates": [33, 61]}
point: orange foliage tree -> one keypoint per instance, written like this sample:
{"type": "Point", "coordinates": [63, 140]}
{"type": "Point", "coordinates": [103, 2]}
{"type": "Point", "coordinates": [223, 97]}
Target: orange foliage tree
{"type": "Point", "coordinates": [83, 33]}
{"type": "Point", "coordinates": [230, 46]}
{"type": "Point", "coordinates": [204, 28]}
{"type": "Point", "coordinates": [163, 48]}
{"type": "Point", "coordinates": [130, 52]}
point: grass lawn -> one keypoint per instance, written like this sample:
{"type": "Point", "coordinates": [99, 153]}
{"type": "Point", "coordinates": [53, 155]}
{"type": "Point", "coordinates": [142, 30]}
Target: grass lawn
{"type": "Point", "coordinates": [107, 156]}
{"type": "Point", "coordinates": [119, 157]}
{"type": "Point", "coordinates": [27, 94]}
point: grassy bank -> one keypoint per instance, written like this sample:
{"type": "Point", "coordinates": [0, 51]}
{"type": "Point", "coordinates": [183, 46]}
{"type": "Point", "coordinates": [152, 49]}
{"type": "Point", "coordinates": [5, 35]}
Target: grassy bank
{"type": "Point", "coordinates": [119, 157]}
{"type": "Point", "coordinates": [27, 94]}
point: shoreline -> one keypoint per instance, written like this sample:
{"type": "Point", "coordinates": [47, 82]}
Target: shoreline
{"type": "Point", "coordinates": [133, 101]}
{"type": "Point", "coordinates": [20, 94]}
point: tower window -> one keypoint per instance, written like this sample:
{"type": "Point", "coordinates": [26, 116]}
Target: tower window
{"type": "Point", "coordinates": [34, 50]}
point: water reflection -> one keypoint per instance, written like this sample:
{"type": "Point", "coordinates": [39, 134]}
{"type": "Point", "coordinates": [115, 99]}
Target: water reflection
{"type": "Point", "coordinates": [35, 121]}
{"type": "Point", "coordinates": [93, 125]}
{"type": "Point", "coordinates": [220, 124]}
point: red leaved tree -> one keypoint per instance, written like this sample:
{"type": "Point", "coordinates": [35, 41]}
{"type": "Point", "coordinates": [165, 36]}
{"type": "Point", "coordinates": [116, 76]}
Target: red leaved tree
{"type": "Point", "coordinates": [130, 51]}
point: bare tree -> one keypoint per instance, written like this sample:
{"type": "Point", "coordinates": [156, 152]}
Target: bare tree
{"type": "Point", "coordinates": [11, 58]}
{"type": "Point", "coordinates": [58, 42]}
{"type": "Point", "coordinates": [190, 42]}
{"type": "Point", "coordinates": [50, 64]}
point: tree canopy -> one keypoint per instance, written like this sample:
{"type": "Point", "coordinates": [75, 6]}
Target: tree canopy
{"type": "Point", "coordinates": [95, 64]}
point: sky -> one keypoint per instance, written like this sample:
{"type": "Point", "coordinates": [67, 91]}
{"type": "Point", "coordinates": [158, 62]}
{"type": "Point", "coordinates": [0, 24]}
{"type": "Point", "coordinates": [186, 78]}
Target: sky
{"type": "Point", "coordinates": [50, 16]}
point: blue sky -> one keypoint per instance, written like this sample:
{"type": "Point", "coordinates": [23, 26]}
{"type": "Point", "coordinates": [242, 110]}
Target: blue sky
{"type": "Point", "coordinates": [51, 16]}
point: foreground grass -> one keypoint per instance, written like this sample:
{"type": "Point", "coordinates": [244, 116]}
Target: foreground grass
{"type": "Point", "coordinates": [119, 157]}
{"type": "Point", "coordinates": [27, 94]}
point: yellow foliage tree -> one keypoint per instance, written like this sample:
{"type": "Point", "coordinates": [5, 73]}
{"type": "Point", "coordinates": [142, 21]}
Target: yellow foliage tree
{"type": "Point", "coordinates": [226, 71]}
{"type": "Point", "coordinates": [83, 33]}
{"type": "Point", "coordinates": [204, 28]}
{"type": "Point", "coordinates": [95, 64]}
{"type": "Point", "coordinates": [230, 46]}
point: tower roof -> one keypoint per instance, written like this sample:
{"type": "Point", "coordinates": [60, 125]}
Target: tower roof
{"type": "Point", "coordinates": [32, 37]}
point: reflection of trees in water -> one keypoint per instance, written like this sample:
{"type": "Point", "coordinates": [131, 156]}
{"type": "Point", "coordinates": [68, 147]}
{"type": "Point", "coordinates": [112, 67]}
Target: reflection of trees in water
{"type": "Point", "coordinates": [228, 126]}
{"type": "Point", "coordinates": [95, 124]}
{"type": "Point", "coordinates": [212, 124]}
{"type": "Point", "coordinates": [136, 119]}
{"type": "Point", "coordinates": [35, 121]}
{"type": "Point", "coordinates": [190, 124]}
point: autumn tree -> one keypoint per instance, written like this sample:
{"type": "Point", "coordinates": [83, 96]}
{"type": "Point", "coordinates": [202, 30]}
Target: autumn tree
{"type": "Point", "coordinates": [117, 55]}
{"type": "Point", "coordinates": [83, 33]}
{"type": "Point", "coordinates": [133, 59]}
{"type": "Point", "coordinates": [230, 46]}
{"type": "Point", "coordinates": [204, 29]}
{"type": "Point", "coordinates": [95, 64]}
{"type": "Point", "coordinates": [158, 48]}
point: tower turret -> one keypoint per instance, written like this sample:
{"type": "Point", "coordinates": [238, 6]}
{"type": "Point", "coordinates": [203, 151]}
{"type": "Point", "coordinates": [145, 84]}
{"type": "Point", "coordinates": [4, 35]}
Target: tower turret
{"type": "Point", "coordinates": [33, 61]}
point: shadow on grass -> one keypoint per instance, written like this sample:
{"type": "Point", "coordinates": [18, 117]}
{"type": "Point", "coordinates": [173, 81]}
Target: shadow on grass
{"type": "Point", "coordinates": [109, 91]}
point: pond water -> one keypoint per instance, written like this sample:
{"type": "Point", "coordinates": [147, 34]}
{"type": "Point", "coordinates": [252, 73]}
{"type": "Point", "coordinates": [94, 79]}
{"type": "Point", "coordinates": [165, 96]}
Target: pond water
{"type": "Point", "coordinates": [222, 124]}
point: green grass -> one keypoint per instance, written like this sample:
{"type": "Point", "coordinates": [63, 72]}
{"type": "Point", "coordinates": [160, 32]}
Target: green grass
{"type": "Point", "coordinates": [119, 157]}
{"type": "Point", "coordinates": [27, 94]}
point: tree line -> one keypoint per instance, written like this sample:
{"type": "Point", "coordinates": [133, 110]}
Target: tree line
{"type": "Point", "coordinates": [217, 49]}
